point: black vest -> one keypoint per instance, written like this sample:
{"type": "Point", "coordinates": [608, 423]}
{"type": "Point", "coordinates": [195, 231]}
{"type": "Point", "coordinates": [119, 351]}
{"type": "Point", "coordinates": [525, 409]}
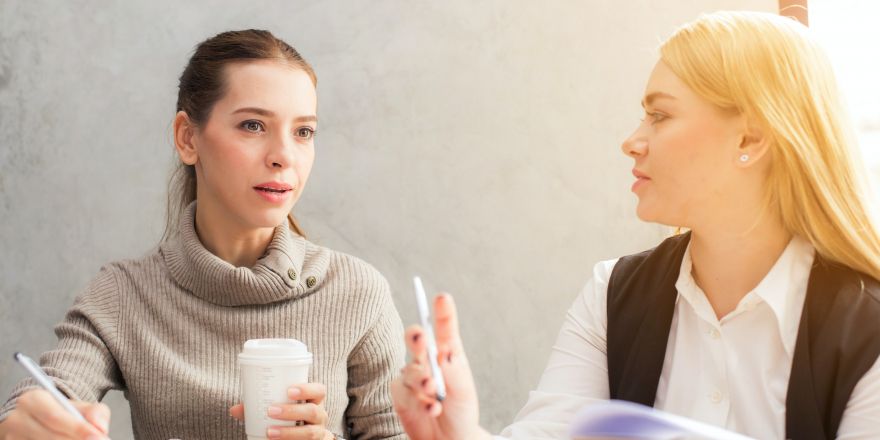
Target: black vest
{"type": "Point", "coordinates": [838, 336]}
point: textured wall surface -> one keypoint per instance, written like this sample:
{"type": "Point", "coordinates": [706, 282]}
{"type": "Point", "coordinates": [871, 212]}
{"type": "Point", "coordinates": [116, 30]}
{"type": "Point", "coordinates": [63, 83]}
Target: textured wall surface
{"type": "Point", "coordinates": [474, 143]}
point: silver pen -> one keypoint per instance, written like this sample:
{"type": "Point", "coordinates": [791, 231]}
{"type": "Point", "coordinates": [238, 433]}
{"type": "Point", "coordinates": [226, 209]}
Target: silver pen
{"type": "Point", "coordinates": [37, 373]}
{"type": "Point", "coordinates": [430, 342]}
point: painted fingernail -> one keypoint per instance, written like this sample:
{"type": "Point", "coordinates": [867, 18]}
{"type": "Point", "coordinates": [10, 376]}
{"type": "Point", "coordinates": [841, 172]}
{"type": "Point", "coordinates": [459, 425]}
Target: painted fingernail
{"type": "Point", "coordinates": [449, 358]}
{"type": "Point", "coordinates": [294, 392]}
{"type": "Point", "coordinates": [416, 337]}
{"type": "Point", "coordinates": [424, 381]}
{"type": "Point", "coordinates": [428, 407]}
{"type": "Point", "coordinates": [274, 410]}
{"type": "Point", "coordinates": [273, 432]}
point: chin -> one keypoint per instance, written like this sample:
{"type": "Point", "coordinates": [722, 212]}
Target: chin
{"type": "Point", "coordinates": [268, 218]}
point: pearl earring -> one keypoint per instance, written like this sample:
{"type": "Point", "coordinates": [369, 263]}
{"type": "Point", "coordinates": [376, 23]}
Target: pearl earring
{"type": "Point", "coordinates": [744, 158]}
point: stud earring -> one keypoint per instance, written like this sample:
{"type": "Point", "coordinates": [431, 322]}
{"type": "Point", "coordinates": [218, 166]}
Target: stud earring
{"type": "Point", "coordinates": [744, 158]}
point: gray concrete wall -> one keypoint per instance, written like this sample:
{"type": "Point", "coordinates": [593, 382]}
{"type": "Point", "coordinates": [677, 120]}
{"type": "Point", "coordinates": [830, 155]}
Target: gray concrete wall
{"type": "Point", "coordinates": [474, 143]}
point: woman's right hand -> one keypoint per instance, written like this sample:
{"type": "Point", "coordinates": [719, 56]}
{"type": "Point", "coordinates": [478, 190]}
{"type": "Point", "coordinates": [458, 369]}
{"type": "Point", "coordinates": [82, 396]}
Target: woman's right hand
{"type": "Point", "coordinates": [38, 416]}
{"type": "Point", "coordinates": [423, 418]}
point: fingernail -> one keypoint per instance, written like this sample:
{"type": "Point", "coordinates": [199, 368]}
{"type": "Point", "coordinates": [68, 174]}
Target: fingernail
{"type": "Point", "coordinates": [428, 407]}
{"type": "Point", "coordinates": [424, 381]}
{"type": "Point", "coordinates": [449, 358]}
{"type": "Point", "coordinates": [274, 410]}
{"type": "Point", "coordinates": [273, 432]}
{"type": "Point", "coordinates": [416, 337]}
{"type": "Point", "coordinates": [294, 392]}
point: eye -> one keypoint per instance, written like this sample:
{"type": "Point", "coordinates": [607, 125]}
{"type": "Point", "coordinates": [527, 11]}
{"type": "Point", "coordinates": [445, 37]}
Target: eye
{"type": "Point", "coordinates": [654, 117]}
{"type": "Point", "coordinates": [306, 133]}
{"type": "Point", "coordinates": [252, 126]}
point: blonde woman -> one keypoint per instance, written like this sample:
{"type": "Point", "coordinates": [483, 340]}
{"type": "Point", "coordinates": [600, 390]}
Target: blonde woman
{"type": "Point", "coordinates": [764, 318]}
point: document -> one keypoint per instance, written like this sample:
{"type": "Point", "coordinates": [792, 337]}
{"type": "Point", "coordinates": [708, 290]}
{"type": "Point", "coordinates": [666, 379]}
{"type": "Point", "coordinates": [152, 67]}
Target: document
{"type": "Point", "coordinates": [621, 419]}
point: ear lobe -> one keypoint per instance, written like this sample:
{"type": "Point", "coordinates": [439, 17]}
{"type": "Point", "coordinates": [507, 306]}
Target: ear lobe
{"type": "Point", "coordinates": [184, 132]}
{"type": "Point", "coordinates": [753, 146]}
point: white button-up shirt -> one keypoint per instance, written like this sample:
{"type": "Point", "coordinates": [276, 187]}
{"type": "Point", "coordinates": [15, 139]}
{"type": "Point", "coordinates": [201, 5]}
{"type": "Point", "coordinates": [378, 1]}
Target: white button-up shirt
{"type": "Point", "coordinates": [731, 372]}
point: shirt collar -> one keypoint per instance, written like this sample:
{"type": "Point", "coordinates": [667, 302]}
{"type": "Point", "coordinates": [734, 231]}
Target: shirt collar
{"type": "Point", "coordinates": [783, 289]}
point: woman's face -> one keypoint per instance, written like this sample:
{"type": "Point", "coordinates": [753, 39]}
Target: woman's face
{"type": "Point", "coordinates": [685, 151]}
{"type": "Point", "coordinates": [256, 150]}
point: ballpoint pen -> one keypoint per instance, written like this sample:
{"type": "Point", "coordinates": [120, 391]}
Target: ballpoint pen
{"type": "Point", "coordinates": [430, 342]}
{"type": "Point", "coordinates": [37, 373]}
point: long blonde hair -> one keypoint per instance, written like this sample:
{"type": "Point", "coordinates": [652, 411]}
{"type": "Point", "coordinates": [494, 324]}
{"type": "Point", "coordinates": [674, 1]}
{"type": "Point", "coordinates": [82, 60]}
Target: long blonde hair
{"type": "Point", "coordinates": [771, 70]}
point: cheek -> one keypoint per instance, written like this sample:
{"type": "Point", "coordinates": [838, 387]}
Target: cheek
{"type": "Point", "coordinates": [304, 163]}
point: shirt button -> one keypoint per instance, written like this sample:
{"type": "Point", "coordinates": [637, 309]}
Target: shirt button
{"type": "Point", "coordinates": [714, 334]}
{"type": "Point", "coordinates": [291, 273]}
{"type": "Point", "coordinates": [310, 282]}
{"type": "Point", "coordinates": [716, 396]}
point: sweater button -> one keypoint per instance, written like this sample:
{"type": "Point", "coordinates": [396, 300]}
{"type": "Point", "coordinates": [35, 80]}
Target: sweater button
{"type": "Point", "coordinates": [310, 282]}
{"type": "Point", "coordinates": [291, 274]}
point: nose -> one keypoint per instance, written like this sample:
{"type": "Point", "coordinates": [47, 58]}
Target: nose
{"type": "Point", "coordinates": [281, 152]}
{"type": "Point", "coordinates": [636, 145]}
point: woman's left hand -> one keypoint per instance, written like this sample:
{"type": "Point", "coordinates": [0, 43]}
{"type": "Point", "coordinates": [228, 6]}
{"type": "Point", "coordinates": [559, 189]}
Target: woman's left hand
{"type": "Point", "coordinates": [309, 410]}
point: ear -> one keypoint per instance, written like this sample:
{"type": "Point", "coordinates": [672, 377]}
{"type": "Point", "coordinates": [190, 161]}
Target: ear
{"type": "Point", "coordinates": [753, 146]}
{"type": "Point", "coordinates": [184, 132]}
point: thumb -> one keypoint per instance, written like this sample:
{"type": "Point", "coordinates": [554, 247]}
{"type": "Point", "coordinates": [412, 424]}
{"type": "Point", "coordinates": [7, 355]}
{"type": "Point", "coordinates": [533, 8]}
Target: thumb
{"type": "Point", "coordinates": [97, 414]}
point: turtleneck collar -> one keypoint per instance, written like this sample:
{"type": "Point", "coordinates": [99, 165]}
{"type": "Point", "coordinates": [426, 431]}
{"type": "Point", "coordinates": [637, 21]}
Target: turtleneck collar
{"type": "Point", "coordinates": [276, 276]}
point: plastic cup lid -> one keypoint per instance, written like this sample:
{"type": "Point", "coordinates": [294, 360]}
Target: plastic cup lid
{"type": "Point", "coordinates": [275, 349]}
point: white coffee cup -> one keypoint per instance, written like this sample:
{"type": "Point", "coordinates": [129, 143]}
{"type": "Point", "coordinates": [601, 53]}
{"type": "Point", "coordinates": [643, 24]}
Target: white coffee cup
{"type": "Point", "coordinates": [269, 367]}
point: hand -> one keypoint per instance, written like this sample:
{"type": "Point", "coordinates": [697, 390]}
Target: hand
{"type": "Point", "coordinates": [309, 409]}
{"type": "Point", "coordinates": [38, 415]}
{"type": "Point", "coordinates": [423, 418]}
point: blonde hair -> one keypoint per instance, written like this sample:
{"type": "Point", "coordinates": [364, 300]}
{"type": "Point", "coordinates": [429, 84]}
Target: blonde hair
{"type": "Point", "coordinates": [771, 70]}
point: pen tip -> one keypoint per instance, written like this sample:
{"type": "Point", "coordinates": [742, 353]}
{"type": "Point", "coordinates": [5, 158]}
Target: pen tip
{"type": "Point", "coordinates": [15, 355]}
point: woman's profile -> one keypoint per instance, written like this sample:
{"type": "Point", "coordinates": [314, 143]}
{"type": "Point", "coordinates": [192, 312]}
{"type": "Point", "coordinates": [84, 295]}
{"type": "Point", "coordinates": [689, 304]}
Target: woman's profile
{"type": "Point", "coordinates": [762, 317]}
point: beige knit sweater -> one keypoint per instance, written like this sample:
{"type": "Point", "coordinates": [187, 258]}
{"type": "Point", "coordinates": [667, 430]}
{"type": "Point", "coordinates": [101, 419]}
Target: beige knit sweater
{"type": "Point", "coordinates": [166, 329]}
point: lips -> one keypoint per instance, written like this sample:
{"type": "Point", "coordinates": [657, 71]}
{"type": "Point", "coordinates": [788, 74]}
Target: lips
{"type": "Point", "coordinates": [274, 187]}
{"type": "Point", "coordinates": [641, 179]}
{"type": "Point", "coordinates": [274, 192]}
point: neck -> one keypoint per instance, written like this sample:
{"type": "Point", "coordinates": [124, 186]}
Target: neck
{"type": "Point", "coordinates": [228, 239]}
{"type": "Point", "coordinates": [728, 262]}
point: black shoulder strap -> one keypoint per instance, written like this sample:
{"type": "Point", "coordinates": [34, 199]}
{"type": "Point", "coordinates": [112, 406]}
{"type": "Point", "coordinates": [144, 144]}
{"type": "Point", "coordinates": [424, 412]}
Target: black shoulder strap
{"type": "Point", "coordinates": [641, 302]}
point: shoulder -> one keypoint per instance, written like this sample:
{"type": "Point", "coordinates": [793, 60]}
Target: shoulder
{"type": "Point", "coordinates": [347, 275]}
{"type": "Point", "coordinates": [133, 271]}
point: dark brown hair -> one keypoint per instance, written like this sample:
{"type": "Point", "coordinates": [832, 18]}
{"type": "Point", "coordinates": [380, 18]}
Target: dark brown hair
{"type": "Point", "coordinates": [202, 84]}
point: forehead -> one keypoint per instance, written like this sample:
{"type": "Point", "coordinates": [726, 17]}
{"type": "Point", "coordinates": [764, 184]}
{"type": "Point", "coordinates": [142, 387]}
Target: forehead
{"type": "Point", "coordinates": [664, 82]}
{"type": "Point", "coordinates": [271, 85]}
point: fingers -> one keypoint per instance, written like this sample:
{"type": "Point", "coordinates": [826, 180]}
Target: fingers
{"type": "Point", "coordinates": [97, 414]}
{"type": "Point", "coordinates": [417, 378]}
{"type": "Point", "coordinates": [310, 392]}
{"type": "Point", "coordinates": [415, 343]}
{"type": "Point", "coordinates": [237, 412]}
{"type": "Point", "coordinates": [305, 432]}
{"type": "Point", "coordinates": [42, 408]}
{"type": "Point", "coordinates": [410, 404]}
{"type": "Point", "coordinates": [309, 413]}
{"type": "Point", "coordinates": [446, 324]}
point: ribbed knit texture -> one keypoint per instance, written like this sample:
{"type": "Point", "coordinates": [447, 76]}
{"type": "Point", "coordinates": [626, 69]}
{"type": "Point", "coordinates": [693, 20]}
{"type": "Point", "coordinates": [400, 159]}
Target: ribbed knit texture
{"type": "Point", "coordinates": [166, 329]}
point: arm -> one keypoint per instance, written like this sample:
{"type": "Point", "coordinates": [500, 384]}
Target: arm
{"type": "Point", "coordinates": [81, 365]}
{"type": "Point", "coordinates": [861, 418]}
{"type": "Point", "coordinates": [372, 365]}
{"type": "Point", "coordinates": [577, 371]}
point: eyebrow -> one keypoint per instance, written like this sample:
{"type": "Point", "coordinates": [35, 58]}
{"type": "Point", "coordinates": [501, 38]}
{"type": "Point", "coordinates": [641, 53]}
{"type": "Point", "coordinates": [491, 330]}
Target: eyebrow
{"type": "Point", "coordinates": [269, 114]}
{"type": "Point", "coordinates": [651, 97]}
